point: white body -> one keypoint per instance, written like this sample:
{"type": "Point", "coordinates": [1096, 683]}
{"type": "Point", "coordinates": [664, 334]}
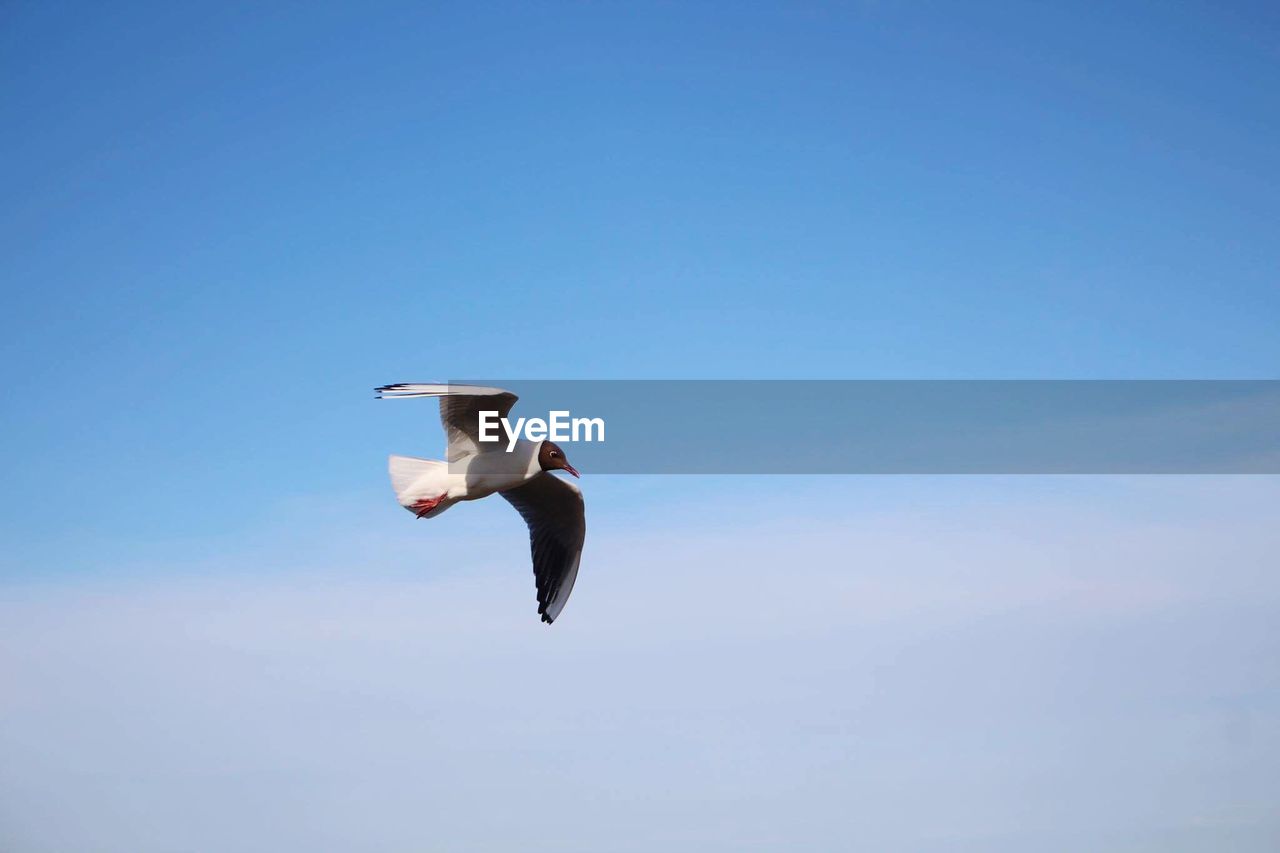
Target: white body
{"type": "Point", "coordinates": [470, 478]}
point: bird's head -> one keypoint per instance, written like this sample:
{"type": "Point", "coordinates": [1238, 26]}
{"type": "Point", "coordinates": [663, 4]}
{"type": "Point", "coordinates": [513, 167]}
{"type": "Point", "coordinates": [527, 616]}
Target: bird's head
{"type": "Point", "coordinates": [552, 458]}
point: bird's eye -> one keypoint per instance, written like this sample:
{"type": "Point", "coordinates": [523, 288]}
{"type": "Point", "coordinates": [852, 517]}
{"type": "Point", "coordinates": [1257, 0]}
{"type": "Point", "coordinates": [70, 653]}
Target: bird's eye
{"type": "Point", "coordinates": [555, 453]}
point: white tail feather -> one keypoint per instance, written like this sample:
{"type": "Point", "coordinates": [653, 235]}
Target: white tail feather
{"type": "Point", "coordinates": [414, 479]}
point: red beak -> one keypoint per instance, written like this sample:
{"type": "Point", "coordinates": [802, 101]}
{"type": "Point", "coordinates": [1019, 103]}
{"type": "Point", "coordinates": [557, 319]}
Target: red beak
{"type": "Point", "coordinates": [572, 470]}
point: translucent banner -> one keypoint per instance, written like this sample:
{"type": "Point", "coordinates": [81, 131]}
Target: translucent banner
{"type": "Point", "coordinates": [899, 427]}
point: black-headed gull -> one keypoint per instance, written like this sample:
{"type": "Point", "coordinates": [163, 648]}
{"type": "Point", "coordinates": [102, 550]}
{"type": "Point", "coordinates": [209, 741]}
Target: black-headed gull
{"type": "Point", "coordinates": [552, 507]}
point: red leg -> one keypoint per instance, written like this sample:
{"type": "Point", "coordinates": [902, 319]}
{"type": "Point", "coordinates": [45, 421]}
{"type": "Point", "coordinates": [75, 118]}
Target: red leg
{"type": "Point", "coordinates": [424, 506]}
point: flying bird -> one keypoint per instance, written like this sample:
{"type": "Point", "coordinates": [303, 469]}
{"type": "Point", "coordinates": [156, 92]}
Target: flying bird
{"type": "Point", "coordinates": [551, 507]}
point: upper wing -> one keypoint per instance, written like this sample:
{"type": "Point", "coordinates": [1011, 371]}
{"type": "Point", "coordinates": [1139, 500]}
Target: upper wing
{"type": "Point", "coordinates": [460, 408]}
{"type": "Point", "coordinates": [556, 516]}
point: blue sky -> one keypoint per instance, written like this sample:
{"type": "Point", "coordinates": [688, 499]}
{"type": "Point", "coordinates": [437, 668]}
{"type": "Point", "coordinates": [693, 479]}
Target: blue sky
{"type": "Point", "coordinates": [221, 226]}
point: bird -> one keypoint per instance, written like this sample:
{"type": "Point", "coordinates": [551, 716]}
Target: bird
{"type": "Point", "coordinates": [552, 507]}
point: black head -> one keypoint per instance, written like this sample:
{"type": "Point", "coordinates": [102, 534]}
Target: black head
{"type": "Point", "coordinates": [552, 458]}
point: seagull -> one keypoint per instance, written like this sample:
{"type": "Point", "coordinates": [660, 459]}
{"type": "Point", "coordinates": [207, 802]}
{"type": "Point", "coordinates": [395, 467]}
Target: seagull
{"type": "Point", "coordinates": [550, 506]}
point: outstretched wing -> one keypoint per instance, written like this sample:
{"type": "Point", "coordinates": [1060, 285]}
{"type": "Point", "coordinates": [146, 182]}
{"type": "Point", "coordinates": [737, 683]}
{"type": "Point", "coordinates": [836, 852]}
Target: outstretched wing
{"type": "Point", "coordinates": [554, 510]}
{"type": "Point", "coordinates": [460, 408]}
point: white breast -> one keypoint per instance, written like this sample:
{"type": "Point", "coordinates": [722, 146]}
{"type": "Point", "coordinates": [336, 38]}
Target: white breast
{"type": "Point", "coordinates": [480, 475]}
